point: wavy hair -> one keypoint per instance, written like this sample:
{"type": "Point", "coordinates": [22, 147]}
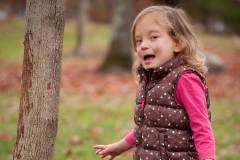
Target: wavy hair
{"type": "Point", "coordinates": [180, 30]}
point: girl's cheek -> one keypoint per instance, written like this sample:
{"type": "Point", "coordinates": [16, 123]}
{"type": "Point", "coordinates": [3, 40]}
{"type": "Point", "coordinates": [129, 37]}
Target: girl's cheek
{"type": "Point", "coordinates": [137, 50]}
{"type": "Point", "coordinates": [156, 50]}
{"type": "Point", "coordinates": [138, 54]}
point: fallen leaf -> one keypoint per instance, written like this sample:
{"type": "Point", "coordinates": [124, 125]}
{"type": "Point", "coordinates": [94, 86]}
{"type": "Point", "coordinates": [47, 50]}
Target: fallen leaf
{"type": "Point", "coordinates": [75, 140]}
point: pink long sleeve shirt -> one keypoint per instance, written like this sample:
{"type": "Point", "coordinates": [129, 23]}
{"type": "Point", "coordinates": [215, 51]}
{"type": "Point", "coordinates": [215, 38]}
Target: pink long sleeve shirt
{"type": "Point", "coordinates": [190, 94]}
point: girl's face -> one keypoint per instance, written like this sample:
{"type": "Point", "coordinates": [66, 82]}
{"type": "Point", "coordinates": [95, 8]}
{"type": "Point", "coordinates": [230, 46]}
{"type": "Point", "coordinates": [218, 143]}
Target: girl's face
{"type": "Point", "coordinates": [154, 46]}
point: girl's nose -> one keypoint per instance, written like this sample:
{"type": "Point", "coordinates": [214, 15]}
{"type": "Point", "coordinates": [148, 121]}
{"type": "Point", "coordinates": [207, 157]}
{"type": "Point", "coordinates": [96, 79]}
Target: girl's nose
{"type": "Point", "coordinates": [144, 45]}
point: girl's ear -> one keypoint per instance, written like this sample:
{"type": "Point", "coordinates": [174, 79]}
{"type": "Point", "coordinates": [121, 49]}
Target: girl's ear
{"type": "Point", "coordinates": [178, 46]}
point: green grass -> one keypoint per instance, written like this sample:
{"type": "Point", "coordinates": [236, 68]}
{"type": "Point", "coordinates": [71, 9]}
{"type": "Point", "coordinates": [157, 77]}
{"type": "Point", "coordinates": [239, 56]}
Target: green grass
{"type": "Point", "coordinates": [11, 38]}
{"type": "Point", "coordinates": [93, 121]}
{"type": "Point", "coordinates": [226, 124]}
{"type": "Point", "coordinates": [97, 37]}
{"type": "Point", "coordinates": [99, 121]}
{"type": "Point", "coordinates": [8, 121]}
{"type": "Point", "coordinates": [107, 119]}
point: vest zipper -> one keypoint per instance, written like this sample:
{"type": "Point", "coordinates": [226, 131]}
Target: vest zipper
{"type": "Point", "coordinates": [143, 101]}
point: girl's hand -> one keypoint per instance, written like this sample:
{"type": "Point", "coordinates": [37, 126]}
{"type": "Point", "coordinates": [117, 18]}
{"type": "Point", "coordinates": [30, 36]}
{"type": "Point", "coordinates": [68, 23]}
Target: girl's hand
{"type": "Point", "coordinates": [112, 150]}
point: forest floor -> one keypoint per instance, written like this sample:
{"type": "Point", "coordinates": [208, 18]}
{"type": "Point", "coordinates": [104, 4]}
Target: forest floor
{"type": "Point", "coordinates": [97, 108]}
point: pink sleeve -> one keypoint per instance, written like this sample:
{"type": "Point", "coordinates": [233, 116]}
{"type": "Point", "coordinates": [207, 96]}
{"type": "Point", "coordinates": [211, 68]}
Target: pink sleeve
{"type": "Point", "coordinates": [190, 93]}
{"type": "Point", "coordinates": [129, 138]}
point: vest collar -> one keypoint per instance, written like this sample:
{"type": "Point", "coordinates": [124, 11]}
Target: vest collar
{"type": "Point", "coordinates": [161, 71]}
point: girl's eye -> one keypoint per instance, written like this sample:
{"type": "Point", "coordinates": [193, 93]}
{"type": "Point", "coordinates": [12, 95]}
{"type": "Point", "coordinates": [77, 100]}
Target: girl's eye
{"type": "Point", "coordinates": [138, 42]}
{"type": "Point", "coordinates": [153, 37]}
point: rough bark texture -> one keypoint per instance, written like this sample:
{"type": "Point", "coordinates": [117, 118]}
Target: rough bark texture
{"type": "Point", "coordinates": [38, 110]}
{"type": "Point", "coordinates": [119, 54]}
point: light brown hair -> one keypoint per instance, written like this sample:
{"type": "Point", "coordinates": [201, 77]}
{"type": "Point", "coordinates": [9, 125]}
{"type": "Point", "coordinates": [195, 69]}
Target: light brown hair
{"type": "Point", "coordinates": [179, 29]}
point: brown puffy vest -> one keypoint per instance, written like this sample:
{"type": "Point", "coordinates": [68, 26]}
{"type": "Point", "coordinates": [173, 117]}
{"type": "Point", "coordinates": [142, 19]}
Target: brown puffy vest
{"type": "Point", "coordinates": [163, 131]}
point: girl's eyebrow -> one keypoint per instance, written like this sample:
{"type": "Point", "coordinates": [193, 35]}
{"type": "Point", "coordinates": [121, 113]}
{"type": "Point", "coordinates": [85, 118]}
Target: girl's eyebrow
{"type": "Point", "coordinates": [136, 37]}
{"type": "Point", "coordinates": [149, 32]}
{"type": "Point", "coordinates": [153, 31]}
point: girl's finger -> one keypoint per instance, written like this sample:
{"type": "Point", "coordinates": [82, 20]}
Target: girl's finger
{"type": "Point", "coordinates": [104, 151]}
{"type": "Point", "coordinates": [107, 157]}
{"type": "Point", "coordinates": [98, 150]}
{"type": "Point", "coordinates": [99, 146]}
{"type": "Point", "coordinates": [111, 157]}
{"type": "Point", "coordinates": [104, 155]}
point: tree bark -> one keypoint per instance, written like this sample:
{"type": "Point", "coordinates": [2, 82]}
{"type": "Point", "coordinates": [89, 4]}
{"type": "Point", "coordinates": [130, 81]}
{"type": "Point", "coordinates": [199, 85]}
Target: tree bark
{"type": "Point", "coordinates": [38, 110]}
{"type": "Point", "coordinates": [119, 56]}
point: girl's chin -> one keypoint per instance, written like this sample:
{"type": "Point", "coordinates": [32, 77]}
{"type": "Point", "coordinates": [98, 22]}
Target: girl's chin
{"type": "Point", "coordinates": [151, 66]}
{"type": "Point", "coordinates": [148, 67]}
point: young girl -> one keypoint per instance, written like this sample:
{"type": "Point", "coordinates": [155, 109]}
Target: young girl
{"type": "Point", "coordinates": [172, 106]}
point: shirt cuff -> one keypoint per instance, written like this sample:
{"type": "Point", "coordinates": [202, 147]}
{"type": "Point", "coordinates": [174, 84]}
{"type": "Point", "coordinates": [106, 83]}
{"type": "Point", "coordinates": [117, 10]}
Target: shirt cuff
{"type": "Point", "coordinates": [207, 155]}
{"type": "Point", "coordinates": [129, 138]}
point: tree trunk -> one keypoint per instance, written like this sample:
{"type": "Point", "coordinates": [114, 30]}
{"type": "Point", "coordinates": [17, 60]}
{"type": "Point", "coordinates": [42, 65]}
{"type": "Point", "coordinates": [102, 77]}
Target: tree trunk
{"type": "Point", "coordinates": [38, 110]}
{"type": "Point", "coordinates": [119, 55]}
{"type": "Point", "coordinates": [80, 27]}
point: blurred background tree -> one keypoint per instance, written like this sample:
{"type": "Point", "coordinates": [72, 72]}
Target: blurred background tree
{"type": "Point", "coordinates": [82, 19]}
{"type": "Point", "coordinates": [214, 15]}
{"type": "Point", "coordinates": [119, 53]}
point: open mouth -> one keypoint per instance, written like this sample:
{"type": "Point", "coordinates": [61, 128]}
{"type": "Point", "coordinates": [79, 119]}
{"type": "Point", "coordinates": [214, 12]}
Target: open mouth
{"type": "Point", "coordinates": [148, 57]}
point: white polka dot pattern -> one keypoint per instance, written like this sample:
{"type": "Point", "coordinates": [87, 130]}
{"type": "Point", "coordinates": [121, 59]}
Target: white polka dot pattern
{"type": "Point", "coordinates": [163, 129]}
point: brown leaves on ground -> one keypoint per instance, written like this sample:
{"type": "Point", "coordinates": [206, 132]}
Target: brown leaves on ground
{"type": "Point", "coordinates": [75, 140]}
{"type": "Point", "coordinates": [230, 150]}
{"type": "Point", "coordinates": [226, 84]}
{"type": "Point", "coordinates": [10, 76]}
{"type": "Point", "coordinates": [6, 137]}
{"type": "Point", "coordinates": [80, 76]}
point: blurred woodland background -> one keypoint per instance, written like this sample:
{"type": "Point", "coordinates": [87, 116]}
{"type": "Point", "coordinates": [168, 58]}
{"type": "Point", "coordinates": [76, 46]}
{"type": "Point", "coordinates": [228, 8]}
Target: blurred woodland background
{"type": "Point", "coordinates": [97, 94]}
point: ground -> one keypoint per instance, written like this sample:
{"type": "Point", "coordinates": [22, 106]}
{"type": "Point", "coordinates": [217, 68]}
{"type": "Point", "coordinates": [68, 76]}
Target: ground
{"type": "Point", "coordinates": [79, 75]}
{"type": "Point", "coordinates": [97, 108]}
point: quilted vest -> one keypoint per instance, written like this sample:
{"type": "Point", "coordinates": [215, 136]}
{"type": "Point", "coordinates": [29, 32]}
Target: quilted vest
{"type": "Point", "coordinates": [162, 125]}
